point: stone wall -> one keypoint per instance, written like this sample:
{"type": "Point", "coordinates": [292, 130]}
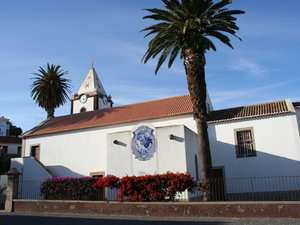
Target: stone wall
{"type": "Point", "coordinates": [164, 209]}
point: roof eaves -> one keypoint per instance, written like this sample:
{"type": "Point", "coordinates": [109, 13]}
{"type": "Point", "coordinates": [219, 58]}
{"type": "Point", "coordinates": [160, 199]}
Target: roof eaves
{"type": "Point", "coordinates": [290, 106]}
{"type": "Point", "coordinates": [247, 117]}
{"type": "Point", "coordinates": [27, 133]}
{"type": "Point", "coordinates": [31, 134]}
{"type": "Point", "coordinates": [296, 105]}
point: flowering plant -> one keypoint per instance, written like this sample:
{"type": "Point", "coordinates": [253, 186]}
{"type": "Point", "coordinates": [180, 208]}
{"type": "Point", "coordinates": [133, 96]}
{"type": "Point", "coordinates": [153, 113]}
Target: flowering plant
{"type": "Point", "coordinates": [204, 186]}
{"type": "Point", "coordinates": [68, 188]}
{"type": "Point", "coordinates": [160, 187]}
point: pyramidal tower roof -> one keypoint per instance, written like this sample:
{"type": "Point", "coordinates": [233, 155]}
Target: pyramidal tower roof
{"type": "Point", "coordinates": [91, 84]}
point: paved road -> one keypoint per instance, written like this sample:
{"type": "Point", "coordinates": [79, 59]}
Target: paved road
{"type": "Point", "coordinates": [42, 219]}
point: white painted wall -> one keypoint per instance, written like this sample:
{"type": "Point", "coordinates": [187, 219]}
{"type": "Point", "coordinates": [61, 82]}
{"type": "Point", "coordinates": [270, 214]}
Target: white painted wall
{"type": "Point", "coordinates": [102, 104]}
{"type": "Point", "coordinates": [170, 155]}
{"type": "Point", "coordinates": [191, 150]}
{"type": "Point", "coordinates": [298, 118]}
{"type": "Point", "coordinates": [32, 176]}
{"type": "Point", "coordinates": [88, 105]}
{"type": "Point", "coordinates": [276, 141]}
{"type": "Point", "coordinates": [119, 157]}
{"type": "Point", "coordinates": [79, 153]}
{"type": "Point", "coordinates": [11, 148]}
{"type": "Point", "coordinates": [29, 168]}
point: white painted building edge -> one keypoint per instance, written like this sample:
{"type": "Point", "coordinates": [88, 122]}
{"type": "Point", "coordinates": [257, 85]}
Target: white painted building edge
{"type": "Point", "coordinates": [11, 148]}
{"type": "Point", "coordinates": [271, 134]}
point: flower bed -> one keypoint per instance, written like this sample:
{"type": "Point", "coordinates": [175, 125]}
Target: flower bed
{"type": "Point", "coordinates": [160, 187]}
{"type": "Point", "coordinates": [163, 187]}
{"type": "Point", "coordinates": [69, 188]}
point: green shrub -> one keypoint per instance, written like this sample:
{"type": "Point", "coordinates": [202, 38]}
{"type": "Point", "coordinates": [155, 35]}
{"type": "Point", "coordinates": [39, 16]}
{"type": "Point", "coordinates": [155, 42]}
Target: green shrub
{"type": "Point", "coordinates": [69, 189]}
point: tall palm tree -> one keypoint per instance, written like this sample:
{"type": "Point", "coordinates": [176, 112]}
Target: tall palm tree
{"type": "Point", "coordinates": [50, 89]}
{"type": "Point", "coordinates": [184, 29]}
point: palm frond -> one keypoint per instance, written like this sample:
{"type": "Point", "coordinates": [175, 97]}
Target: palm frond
{"type": "Point", "coordinates": [173, 55]}
{"type": "Point", "coordinates": [49, 88]}
{"type": "Point", "coordinates": [188, 23]}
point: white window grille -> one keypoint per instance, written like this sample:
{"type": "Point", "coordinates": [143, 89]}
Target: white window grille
{"type": "Point", "coordinates": [245, 144]}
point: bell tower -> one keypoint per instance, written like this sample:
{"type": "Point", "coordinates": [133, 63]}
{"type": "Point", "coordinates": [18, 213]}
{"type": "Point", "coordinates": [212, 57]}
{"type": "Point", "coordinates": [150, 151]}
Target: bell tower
{"type": "Point", "coordinates": [91, 95]}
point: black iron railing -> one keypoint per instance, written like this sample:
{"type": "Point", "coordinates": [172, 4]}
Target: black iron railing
{"type": "Point", "coordinates": [280, 188]}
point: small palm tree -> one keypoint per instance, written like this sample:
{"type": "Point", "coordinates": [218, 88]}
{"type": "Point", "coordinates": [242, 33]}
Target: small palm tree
{"type": "Point", "coordinates": [50, 89]}
{"type": "Point", "coordinates": [184, 29]}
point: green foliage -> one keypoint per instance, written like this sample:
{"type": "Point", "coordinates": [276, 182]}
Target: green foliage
{"type": "Point", "coordinates": [50, 89]}
{"type": "Point", "coordinates": [13, 130]}
{"type": "Point", "coordinates": [4, 163]}
{"type": "Point", "coordinates": [69, 188]}
{"type": "Point", "coordinates": [188, 23]}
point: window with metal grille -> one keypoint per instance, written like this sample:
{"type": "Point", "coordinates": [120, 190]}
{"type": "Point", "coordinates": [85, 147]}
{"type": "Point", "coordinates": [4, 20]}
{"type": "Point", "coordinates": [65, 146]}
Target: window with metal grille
{"type": "Point", "coordinates": [245, 144]}
{"type": "Point", "coordinates": [4, 150]}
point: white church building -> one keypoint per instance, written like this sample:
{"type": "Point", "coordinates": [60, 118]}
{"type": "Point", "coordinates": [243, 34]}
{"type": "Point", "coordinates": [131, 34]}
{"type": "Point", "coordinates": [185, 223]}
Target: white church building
{"type": "Point", "coordinates": [158, 136]}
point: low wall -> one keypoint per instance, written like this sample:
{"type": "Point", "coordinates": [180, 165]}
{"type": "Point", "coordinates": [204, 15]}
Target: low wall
{"type": "Point", "coordinates": [3, 183]}
{"type": "Point", "coordinates": [164, 209]}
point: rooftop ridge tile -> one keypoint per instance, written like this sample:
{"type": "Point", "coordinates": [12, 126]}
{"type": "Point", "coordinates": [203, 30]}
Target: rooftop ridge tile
{"type": "Point", "coordinates": [155, 109]}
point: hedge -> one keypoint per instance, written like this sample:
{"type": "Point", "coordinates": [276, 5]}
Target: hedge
{"type": "Point", "coordinates": [160, 187]}
{"type": "Point", "coordinates": [68, 188]}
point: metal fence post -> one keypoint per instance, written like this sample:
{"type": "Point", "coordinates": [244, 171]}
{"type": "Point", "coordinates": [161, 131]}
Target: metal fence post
{"type": "Point", "coordinates": [12, 188]}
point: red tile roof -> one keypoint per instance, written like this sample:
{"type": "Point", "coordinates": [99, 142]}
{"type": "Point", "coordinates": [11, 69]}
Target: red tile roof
{"type": "Point", "coordinates": [162, 108]}
{"type": "Point", "coordinates": [251, 111]}
{"type": "Point", "coordinates": [10, 140]}
{"type": "Point", "coordinates": [155, 109]}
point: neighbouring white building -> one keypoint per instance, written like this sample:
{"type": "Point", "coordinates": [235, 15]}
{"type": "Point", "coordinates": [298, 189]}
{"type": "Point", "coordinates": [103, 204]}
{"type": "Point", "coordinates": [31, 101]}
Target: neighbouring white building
{"type": "Point", "coordinates": [4, 127]}
{"type": "Point", "coordinates": [157, 136]}
{"type": "Point", "coordinates": [9, 147]}
{"type": "Point", "coordinates": [8, 144]}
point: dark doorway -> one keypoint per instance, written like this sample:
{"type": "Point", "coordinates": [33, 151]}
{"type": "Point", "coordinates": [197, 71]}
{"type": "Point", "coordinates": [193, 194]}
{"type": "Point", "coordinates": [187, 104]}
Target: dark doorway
{"type": "Point", "coordinates": [99, 195]}
{"type": "Point", "coordinates": [35, 152]}
{"type": "Point", "coordinates": [217, 185]}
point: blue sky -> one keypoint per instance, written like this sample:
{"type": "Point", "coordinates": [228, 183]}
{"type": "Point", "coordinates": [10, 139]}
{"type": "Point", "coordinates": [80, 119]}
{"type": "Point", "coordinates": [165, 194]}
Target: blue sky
{"type": "Point", "coordinates": [263, 67]}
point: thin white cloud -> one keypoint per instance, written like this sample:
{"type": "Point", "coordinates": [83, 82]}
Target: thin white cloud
{"type": "Point", "coordinates": [14, 99]}
{"type": "Point", "coordinates": [136, 94]}
{"type": "Point", "coordinates": [248, 66]}
{"type": "Point", "coordinates": [265, 26]}
{"type": "Point", "coordinates": [239, 97]}
{"type": "Point", "coordinates": [127, 48]}
{"type": "Point", "coordinates": [135, 52]}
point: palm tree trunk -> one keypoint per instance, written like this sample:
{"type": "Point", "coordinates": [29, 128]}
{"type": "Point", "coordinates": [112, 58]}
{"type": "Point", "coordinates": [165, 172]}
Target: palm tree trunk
{"type": "Point", "coordinates": [194, 63]}
{"type": "Point", "coordinates": [50, 113]}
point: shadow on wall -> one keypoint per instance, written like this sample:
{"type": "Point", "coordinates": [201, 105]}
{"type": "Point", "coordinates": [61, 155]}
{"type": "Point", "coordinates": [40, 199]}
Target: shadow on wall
{"type": "Point", "coordinates": [29, 184]}
{"type": "Point", "coordinates": [262, 164]}
{"type": "Point", "coordinates": [260, 173]}
{"type": "Point", "coordinates": [63, 171]}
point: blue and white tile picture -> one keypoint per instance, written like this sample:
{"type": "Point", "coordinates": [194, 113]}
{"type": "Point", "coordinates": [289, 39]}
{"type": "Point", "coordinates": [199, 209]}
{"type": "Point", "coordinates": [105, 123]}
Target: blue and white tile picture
{"type": "Point", "coordinates": [143, 143]}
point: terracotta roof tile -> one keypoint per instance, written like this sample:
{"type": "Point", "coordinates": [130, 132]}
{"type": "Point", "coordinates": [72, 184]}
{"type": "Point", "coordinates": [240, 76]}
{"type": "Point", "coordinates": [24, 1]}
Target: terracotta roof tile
{"type": "Point", "coordinates": [296, 104]}
{"type": "Point", "coordinates": [155, 109]}
{"type": "Point", "coordinates": [174, 106]}
{"type": "Point", "coordinates": [251, 111]}
{"type": "Point", "coordinates": [10, 140]}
